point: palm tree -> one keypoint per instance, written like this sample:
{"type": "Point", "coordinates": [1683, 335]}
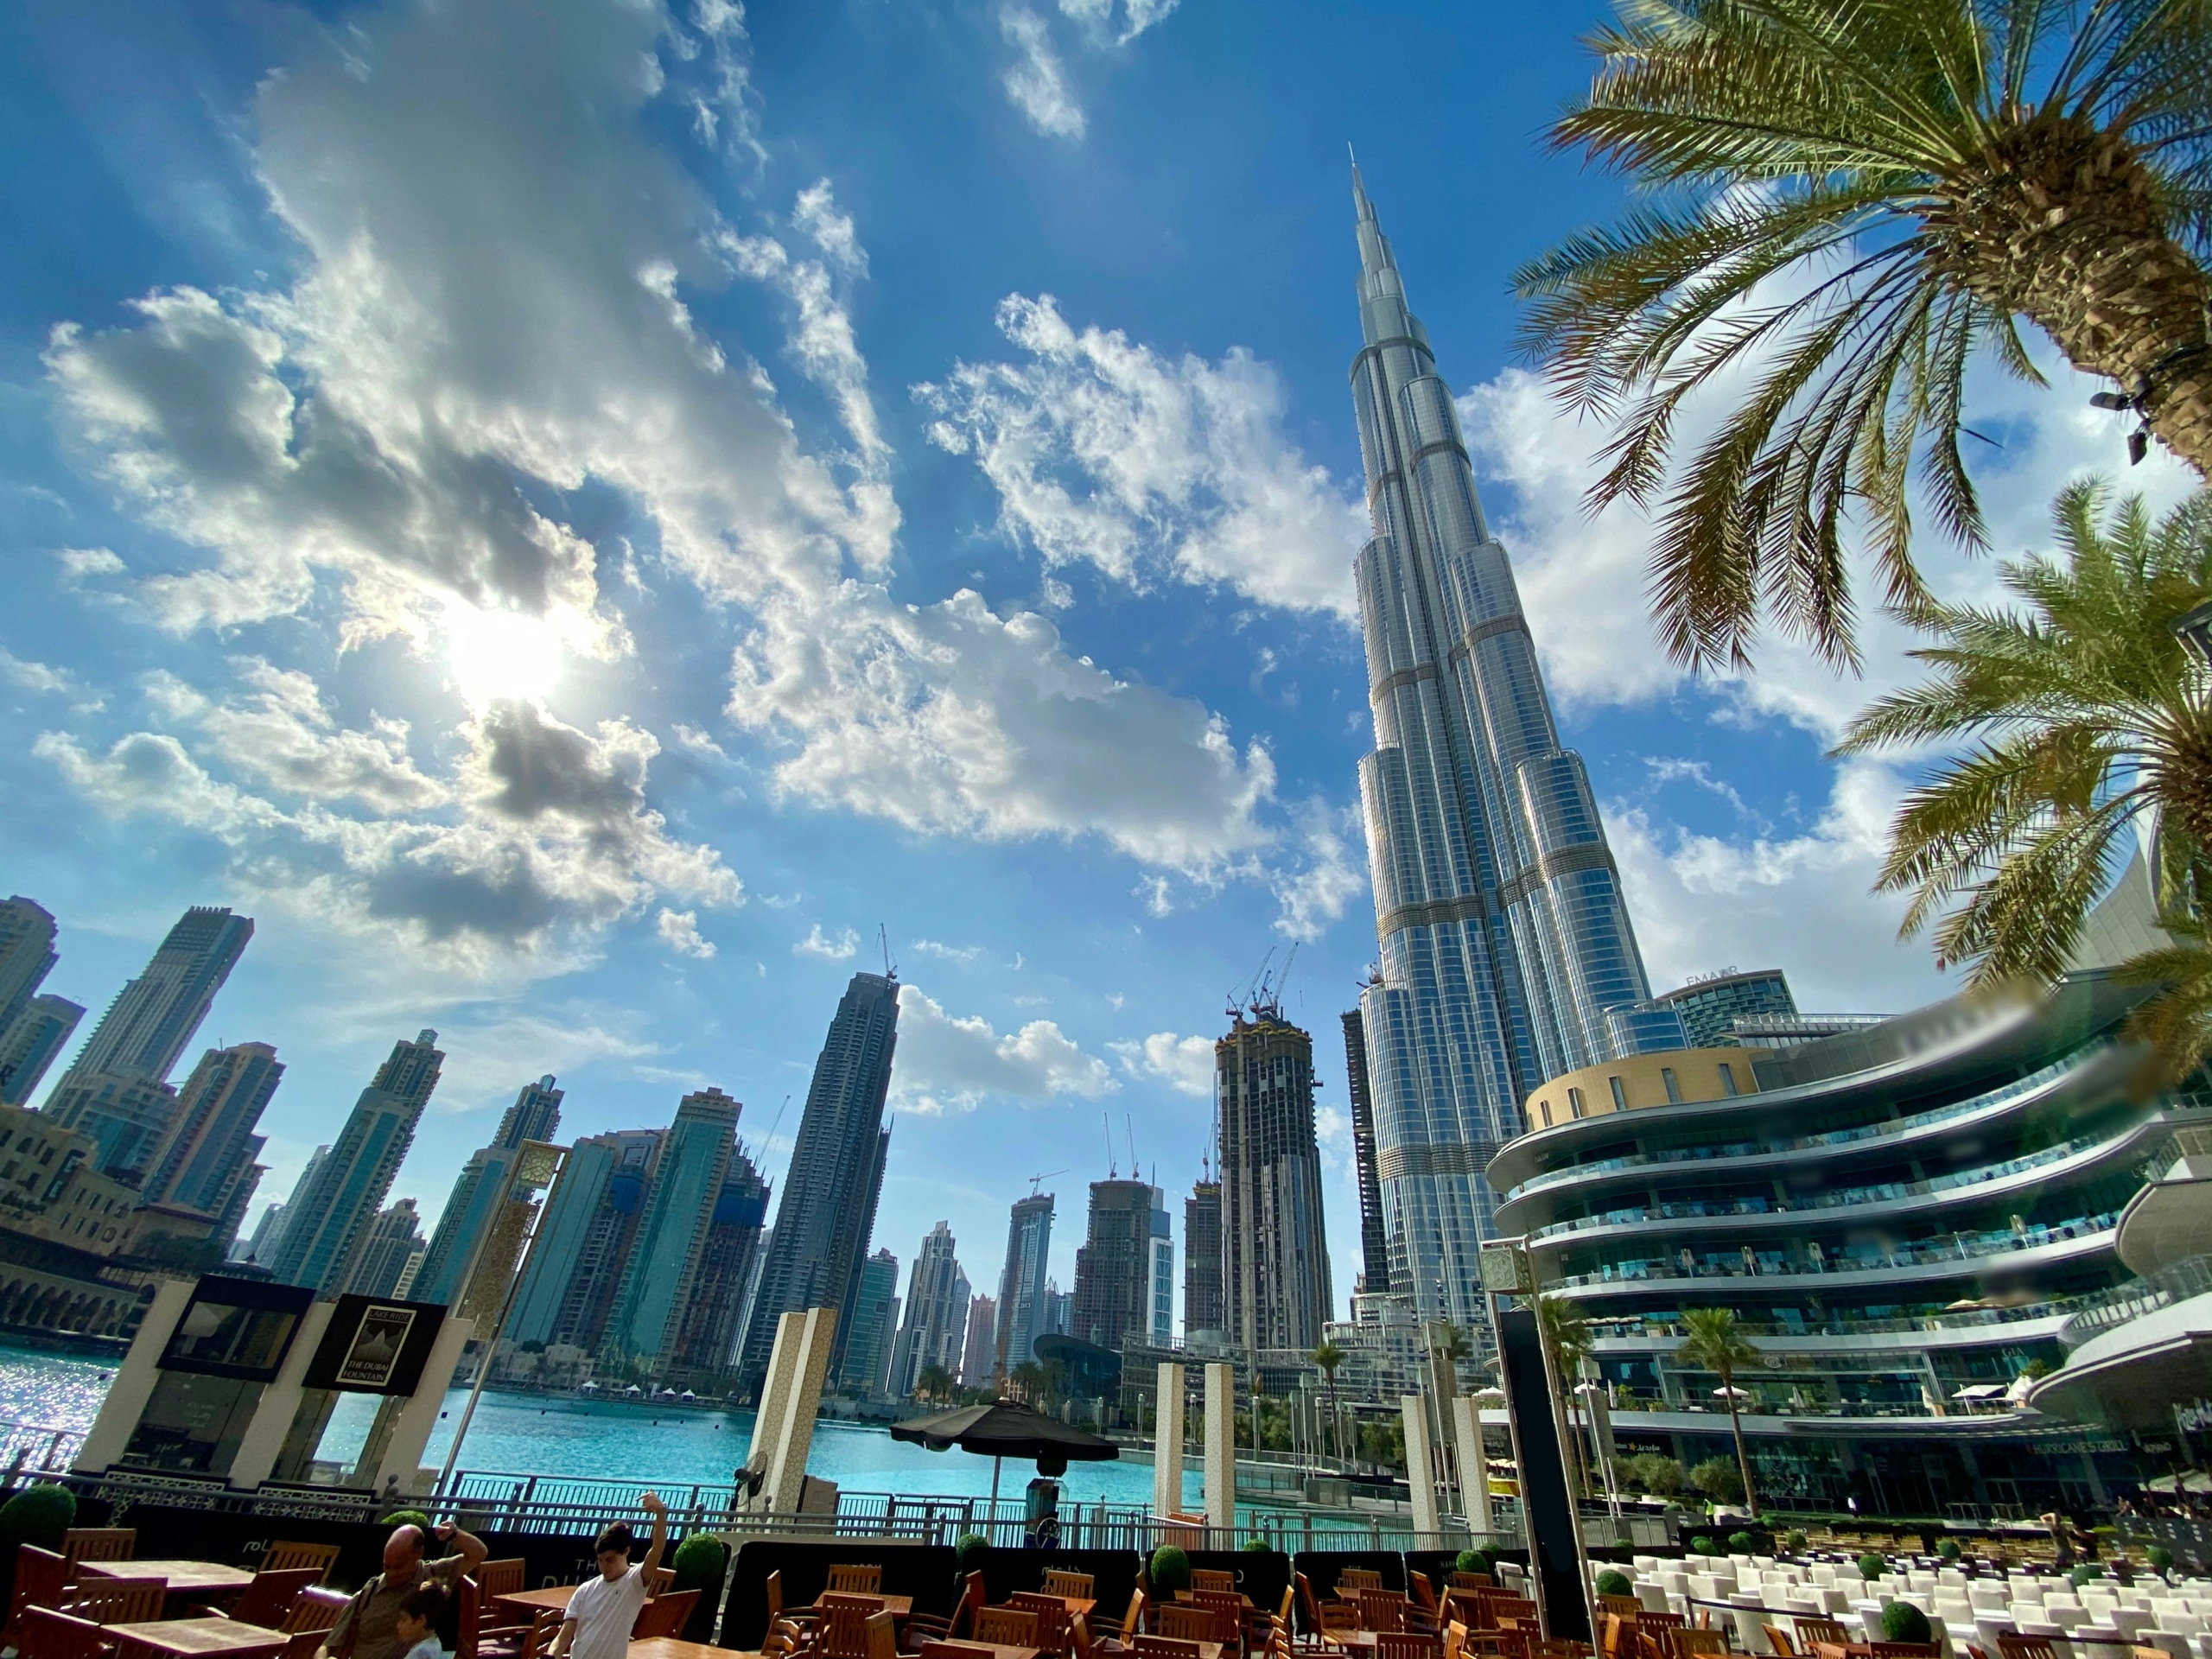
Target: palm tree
{"type": "Point", "coordinates": [1328, 1356]}
{"type": "Point", "coordinates": [1714, 1344]}
{"type": "Point", "coordinates": [936, 1382]}
{"type": "Point", "coordinates": [1566, 1331]}
{"type": "Point", "coordinates": [1844, 200]}
{"type": "Point", "coordinates": [2087, 718]}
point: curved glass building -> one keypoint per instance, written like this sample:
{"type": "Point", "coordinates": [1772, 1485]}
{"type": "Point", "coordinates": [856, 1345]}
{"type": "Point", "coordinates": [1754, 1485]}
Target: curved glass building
{"type": "Point", "coordinates": [1904, 1218]}
{"type": "Point", "coordinates": [1506, 952]}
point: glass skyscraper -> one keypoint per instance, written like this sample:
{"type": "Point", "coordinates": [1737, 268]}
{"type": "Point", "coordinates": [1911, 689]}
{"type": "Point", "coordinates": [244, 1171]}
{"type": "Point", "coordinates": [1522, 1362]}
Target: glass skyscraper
{"type": "Point", "coordinates": [1507, 955]}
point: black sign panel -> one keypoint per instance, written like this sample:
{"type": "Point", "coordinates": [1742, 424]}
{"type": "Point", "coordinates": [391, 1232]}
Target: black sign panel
{"type": "Point", "coordinates": [375, 1345]}
{"type": "Point", "coordinates": [1543, 1477]}
{"type": "Point", "coordinates": [238, 1328]}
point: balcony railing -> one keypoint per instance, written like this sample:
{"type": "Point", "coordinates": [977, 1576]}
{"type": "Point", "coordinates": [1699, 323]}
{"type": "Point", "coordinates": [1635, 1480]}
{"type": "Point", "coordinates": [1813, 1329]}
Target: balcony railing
{"type": "Point", "coordinates": [2177, 1282]}
{"type": "Point", "coordinates": [1958, 1247]}
{"type": "Point", "coordinates": [1964, 1320]}
{"type": "Point", "coordinates": [1892, 1127]}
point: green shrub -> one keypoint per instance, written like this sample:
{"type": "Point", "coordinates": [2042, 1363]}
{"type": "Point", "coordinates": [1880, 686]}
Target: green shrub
{"type": "Point", "coordinates": [1948, 1550]}
{"type": "Point", "coordinates": [1740, 1543]}
{"type": "Point", "coordinates": [2161, 1558]}
{"type": "Point", "coordinates": [1796, 1541]}
{"type": "Point", "coordinates": [699, 1562]}
{"type": "Point", "coordinates": [1260, 1545]}
{"type": "Point", "coordinates": [1471, 1561]}
{"type": "Point", "coordinates": [1903, 1622]}
{"type": "Point", "coordinates": [1872, 1566]}
{"type": "Point", "coordinates": [407, 1518]}
{"type": "Point", "coordinates": [969, 1550]}
{"type": "Point", "coordinates": [2086, 1573]}
{"type": "Point", "coordinates": [38, 1515]}
{"type": "Point", "coordinates": [1704, 1545]}
{"type": "Point", "coordinates": [1170, 1572]}
{"type": "Point", "coordinates": [1611, 1583]}
{"type": "Point", "coordinates": [1718, 1479]}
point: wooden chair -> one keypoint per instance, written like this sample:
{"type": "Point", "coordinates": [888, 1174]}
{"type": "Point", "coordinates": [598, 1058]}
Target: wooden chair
{"type": "Point", "coordinates": [858, 1581]}
{"type": "Point", "coordinates": [1778, 1639]}
{"type": "Point", "coordinates": [81, 1544]}
{"type": "Point", "coordinates": [1810, 1629]}
{"type": "Point", "coordinates": [1407, 1644]}
{"type": "Point", "coordinates": [1132, 1621]}
{"type": "Point", "coordinates": [526, 1640]}
{"type": "Point", "coordinates": [314, 1611]}
{"type": "Point", "coordinates": [1497, 1644]}
{"type": "Point", "coordinates": [660, 1581]}
{"type": "Point", "coordinates": [1322, 1633]}
{"type": "Point", "coordinates": [923, 1629]}
{"type": "Point", "coordinates": [48, 1634]}
{"type": "Point", "coordinates": [841, 1631]}
{"type": "Point", "coordinates": [2010, 1647]}
{"type": "Point", "coordinates": [1473, 1581]}
{"type": "Point", "coordinates": [510, 1577]}
{"type": "Point", "coordinates": [1052, 1617]}
{"type": "Point", "coordinates": [1424, 1595]}
{"type": "Point", "coordinates": [1081, 1644]}
{"type": "Point", "coordinates": [267, 1600]}
{"type": "Point", "coordinates": [284, 1555]}
{"type": "Point", "coordinates": [1006, 1627]}
{"type": "Point", "coordinates": [1627, 1606]}
{"type": "Point", "coordinates": [1081, 1585]}
{"type": "Point", "coordinates": [1512, 1613]}
{"type": "Point", "coordinates": [1905, 1649]}
{"type": "Point", "coordinates": [1211, 1577]}
{"type": "Point", "coordinates": [1383, 1612]}
{"type": "Point", "coordinates": [882, 1635]}
{"type": "Point", "coordinates": [1358, 1578]}
{"type": "Point", "coordinates": [1688, 1640]}
{"type": "Point", "coordinates": [1561, 1646]}
{"type": "Point", "coordinates": [1229, 1609]}
{"type": "Point", "coordinates": [1455, 1639]}
{"type": "Point", "coordinates": [804, 1617]}
{"type": "Point", "coordinates": [1167, 1647]}
{"type": "Point", "coordinates": [1188, 1622]}
{"type": "Point", "coordinates": [468, 1618]}
{"type": "Point", "coordinates": [781, 1641]}
{"type": "Point", "coordinates": [41, 1581]}
{"type": "Point", "coordinates": [119, 1601]}
{"type": "Point", "coordinates": [955, 1650]}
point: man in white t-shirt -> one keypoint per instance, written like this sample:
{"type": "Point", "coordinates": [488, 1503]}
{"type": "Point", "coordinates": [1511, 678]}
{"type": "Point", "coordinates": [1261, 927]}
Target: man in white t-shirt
{"type": "Point", "coordinates": [601, 1613]}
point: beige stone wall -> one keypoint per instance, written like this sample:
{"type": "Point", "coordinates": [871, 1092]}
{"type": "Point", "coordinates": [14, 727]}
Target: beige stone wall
{"type": "Point", "coordinates": [1641, 1080]}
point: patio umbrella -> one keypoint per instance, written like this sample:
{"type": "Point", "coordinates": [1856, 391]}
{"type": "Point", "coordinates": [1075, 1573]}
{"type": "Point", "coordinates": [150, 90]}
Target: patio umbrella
{"type": "Point", "coordinates": [1004, 1430]}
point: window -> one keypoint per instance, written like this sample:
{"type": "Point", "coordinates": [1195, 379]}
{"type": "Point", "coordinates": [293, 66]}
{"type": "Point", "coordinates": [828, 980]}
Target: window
{"type": "Point", "coordinates": [1674, 1088]}
{"type": "Point", "coordinates": [1544, 1107]}
{"type": "Point", "coordinates": [1574, 1102]}
{"type": "Point", "coordinates": [1620, 1095]}
{"type": "Point", "coordinates": [1727, 1080]}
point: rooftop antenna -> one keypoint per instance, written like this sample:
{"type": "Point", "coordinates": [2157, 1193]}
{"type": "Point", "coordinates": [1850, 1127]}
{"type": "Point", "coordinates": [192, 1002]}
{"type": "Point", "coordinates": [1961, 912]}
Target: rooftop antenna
{"type": "Point", "coordinates": [1113, 1169]}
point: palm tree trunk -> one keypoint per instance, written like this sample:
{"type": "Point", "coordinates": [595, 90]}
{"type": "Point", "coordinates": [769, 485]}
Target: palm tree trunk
{"type": "Point", "coordinates": [1743, 1460]}
{"type": "Point", "coordinates": [2060, 222]}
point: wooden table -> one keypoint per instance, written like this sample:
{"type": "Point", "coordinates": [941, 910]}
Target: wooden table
{"type": "Point", "coordinates": [1010, 1649]}
{"type": "Point", "coordinates": [183, 1577]}
{"type": "Point", "coordinates": [194, 1637]}
{"type": "Point", "coordinates": [668, 1647]}
{"type": "Point", "coordinates": [552, 1600]}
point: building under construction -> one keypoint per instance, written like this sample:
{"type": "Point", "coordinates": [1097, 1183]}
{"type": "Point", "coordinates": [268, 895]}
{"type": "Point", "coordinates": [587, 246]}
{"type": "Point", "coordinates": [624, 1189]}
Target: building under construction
{"type": "Point", "coordinates": [1274, 1248]}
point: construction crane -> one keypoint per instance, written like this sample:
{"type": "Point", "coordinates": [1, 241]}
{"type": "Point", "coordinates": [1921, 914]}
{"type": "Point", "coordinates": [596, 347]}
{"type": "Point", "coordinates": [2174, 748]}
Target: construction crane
{"type": "Point", "coordinates": [1036, 1181]}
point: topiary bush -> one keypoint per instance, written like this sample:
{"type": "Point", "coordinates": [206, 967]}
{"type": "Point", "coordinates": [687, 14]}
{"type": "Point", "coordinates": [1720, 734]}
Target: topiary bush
{"type": "Point", "coordinates": [409, 1518]}
{"type": "Point", "coordinates": [1948, 1550]}
{"type": "Point", "coordinates": [2161, 1558]}
{"type": "Point", "coordinates": [1471, 1561]}
{"type": "Point", "coordinates": [1170, 1571]}
{"type": "Point", "coordinates": [1703, 1545]}
{"type": "Point", "coordinates": [1903, 1622]}
{"type": "Point", "coordinates": [2085, 1574]}
{"type": "Point", "coordinates": [38, 1515]}
{"type": "Point", "coordinates": [1260, 1545]}
{"type": "Point", "coordinates": [968, 1551]}
{"type": "Point", "coordinates": [1872, 1566]}
{"type": "Point", "coordinates": [1795, 1541]}
{"type": "Point", "coordinates": [1740, 1543]}
{"type": "Point", "coordinates": [1611, 1583]}
{"type": "Point", "coordinates": [699, 1562]}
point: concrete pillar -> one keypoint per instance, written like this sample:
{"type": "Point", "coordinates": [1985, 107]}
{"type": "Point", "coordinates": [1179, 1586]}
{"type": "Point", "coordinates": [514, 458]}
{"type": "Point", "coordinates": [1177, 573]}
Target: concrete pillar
{"type": "Point", "coordinates": [1221, 1450]}
{"type": "Point", "coordinates": [410, 1436]}
{"type": "Point", "coordinates": [1168, 1442]}
{"type": "Point", "coordinates": [808, 1334]}
{"type": "Point", "coordinates": [775, 1391]}
{"type": "Point", "coordinates": [133, 1386]}
{"type": "Point", "coordinates": [280, 1403]}
{"type": "Point", "coordinates": [1421, 1468]}
{"type": "Point", "coordinates": [1474, 1472]}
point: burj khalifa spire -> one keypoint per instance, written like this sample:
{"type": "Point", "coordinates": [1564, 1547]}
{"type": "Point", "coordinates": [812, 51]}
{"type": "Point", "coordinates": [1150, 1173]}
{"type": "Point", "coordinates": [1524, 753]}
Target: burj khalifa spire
{"type": "Point", "coordinates": [1506, 954]}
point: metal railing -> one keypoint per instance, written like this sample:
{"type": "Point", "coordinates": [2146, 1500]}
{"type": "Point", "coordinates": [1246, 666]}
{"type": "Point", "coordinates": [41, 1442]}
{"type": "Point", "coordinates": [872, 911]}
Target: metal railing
{"type": "Point", "coordinates": [36, 1448]}
{"type": "Point", "coordinates": [2177, 1281]}
{"type": "Point", "coordinates": [1956, 1247]}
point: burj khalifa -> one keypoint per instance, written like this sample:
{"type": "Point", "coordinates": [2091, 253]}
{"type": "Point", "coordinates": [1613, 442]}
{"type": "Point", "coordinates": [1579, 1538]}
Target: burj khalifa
{"type": "Point", "coordinates": [1507, 955]}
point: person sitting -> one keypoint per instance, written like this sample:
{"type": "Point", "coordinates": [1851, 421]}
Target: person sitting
{"type": "Point", "coordinates": [417, 1622]}
{"type": "Point", "coordinates": [367, 1629]}
{"type": "Point", "coordinates": [601, 1613]}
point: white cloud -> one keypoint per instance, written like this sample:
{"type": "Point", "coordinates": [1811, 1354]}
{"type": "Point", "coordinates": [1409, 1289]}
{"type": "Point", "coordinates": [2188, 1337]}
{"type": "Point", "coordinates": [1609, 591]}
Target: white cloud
{"type": "Point", "coordinates": [1035, 81]}
{"type": "Point", "coordinates": [843, 948]}
{"type": "Point", "coordinates": [80, 562]}
{"type": "Point", "coordinates": [697, 742]}
{"type": "Point", "coordinates": [948, 952]}
{"type": "Point", "coordinates": [492, 313]}
{"type": "Point", "coordinates": [42, 678]}
{"type": "Point", "coordinates": [679, 932]}
{"type": "Point", "coordinates": [1313, 895]}
{"type": "Point", "coordinates": [946, 1062]}
{"type": "Point", "coordinates": [1096, 16]}
{"type": "Point", "coordinates": [1106, 452]}
{"type": "Point", "coordinates": [1184, 1064]}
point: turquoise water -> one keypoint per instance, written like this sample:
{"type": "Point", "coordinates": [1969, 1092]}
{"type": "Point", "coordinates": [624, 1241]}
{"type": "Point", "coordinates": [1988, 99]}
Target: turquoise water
{"type": "Point", "coordinates": [525, 1434]}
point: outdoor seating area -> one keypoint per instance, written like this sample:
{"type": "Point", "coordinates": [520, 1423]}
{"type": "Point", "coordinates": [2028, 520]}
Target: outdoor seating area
{"type": "Point", "coordinates": [1827, 1609]}
{"type": "Point", "coordinates": [1471, 1617]}
{"type": "Point", "coordinates": [94, 1599]}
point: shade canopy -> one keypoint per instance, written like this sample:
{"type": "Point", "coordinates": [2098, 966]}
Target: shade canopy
{"type": "Point", "coordinates": [1003, 1429]}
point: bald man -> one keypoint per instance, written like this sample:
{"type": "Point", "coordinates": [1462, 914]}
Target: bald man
{"type": "Point", "coordinates": [368, 1627]}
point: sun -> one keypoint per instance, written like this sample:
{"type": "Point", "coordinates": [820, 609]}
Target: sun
{"type": "Point", "coordinates": [501, 655]}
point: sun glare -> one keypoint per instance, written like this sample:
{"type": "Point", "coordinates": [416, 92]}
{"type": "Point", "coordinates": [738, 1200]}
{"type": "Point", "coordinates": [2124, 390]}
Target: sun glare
{"type": "Point", "coordinates": [501, 654]}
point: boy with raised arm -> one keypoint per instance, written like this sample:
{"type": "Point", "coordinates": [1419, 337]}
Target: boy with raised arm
{"type": "Point", "coordinates": [601, 1613]}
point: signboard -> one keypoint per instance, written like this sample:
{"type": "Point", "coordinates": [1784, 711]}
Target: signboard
{"type": "Point", "coordinates": [237, 1328]}
{"type": "Point", "coordinates": [375, 1345]}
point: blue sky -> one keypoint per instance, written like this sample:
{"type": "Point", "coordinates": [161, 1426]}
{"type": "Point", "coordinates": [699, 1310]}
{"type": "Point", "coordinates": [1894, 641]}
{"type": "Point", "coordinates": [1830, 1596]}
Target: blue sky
{"type": "Point", "coordinates": [573, 514]}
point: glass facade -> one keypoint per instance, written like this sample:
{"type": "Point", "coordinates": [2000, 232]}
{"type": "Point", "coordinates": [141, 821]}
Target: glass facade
{"type": "Point", "coordinates": [1506, 948]}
